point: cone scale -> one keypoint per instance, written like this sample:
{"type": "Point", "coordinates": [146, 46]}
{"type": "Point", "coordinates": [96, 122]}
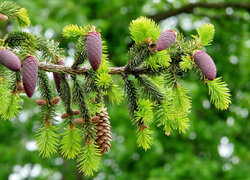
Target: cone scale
{"type": "Point", "coordinates": [9, 60]}
{"type": "Point", "coordinates": [94, 49]}
{"type": "Point", "coordinates": [205, 64]}
{"type": "Point", "coordinates": [30, 72]}
{"type": "Point", "coordinates": [102, 124]}
{"type": "Point", "coordinates": [166, 39]}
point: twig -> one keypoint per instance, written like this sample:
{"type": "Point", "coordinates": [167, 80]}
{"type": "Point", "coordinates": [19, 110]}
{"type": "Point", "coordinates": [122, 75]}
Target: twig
{"type": "Point", "coordinates": [190, 8]}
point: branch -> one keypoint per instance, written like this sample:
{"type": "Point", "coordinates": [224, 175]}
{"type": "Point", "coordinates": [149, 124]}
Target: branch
{"type": "Point", "coordinates": [190, 8]}
{"type": "Point", "coordinates": [84, 70]}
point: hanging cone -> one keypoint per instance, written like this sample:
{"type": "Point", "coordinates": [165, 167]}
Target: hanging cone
{"type": "Point", "coordinates": [102, 124]}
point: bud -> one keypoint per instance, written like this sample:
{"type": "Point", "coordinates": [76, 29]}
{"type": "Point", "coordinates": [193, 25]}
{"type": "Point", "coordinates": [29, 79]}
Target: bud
{"type": "Point", "coordinates": [30, 70]}
{"type": "Point", "coordinates": [3, 17]}
{"type": "Point", "coordinates": [20, 87]}
{"type": "Point", "coordinates": [76, 112]}
{"type": "Point", "coordinates": [9, 59]}
{"type": "Point", "coordinates": [79, 120]}
{"type": "Point", "coordinates": [64, 115]}
{"type": "Point", "coordinates": [55, 100]}
{"type": "Point", "coordinates": [205, 63]}
{"type": "Point", "coordinates": [94, 49]}
{"type": "Point", "coordinates": [41, 102]}
{"type": "Point", "coordinates": [166, 39]}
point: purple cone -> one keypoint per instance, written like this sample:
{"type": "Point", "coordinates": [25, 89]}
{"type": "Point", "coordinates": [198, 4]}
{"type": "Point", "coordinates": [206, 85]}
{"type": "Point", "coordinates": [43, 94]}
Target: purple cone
{"type": "Point", "coordinates": [166, 39]}
{"type": "Point", "coordinates": [206, 64]}
{"type": "Point", "coordinates": [94, 49]}
{"type": "Point", "coordinates": [9, 60]}
{"type": "Point", "coordinates": [58, 78]}
{"type": "Point", "coordinates": [30, 72]}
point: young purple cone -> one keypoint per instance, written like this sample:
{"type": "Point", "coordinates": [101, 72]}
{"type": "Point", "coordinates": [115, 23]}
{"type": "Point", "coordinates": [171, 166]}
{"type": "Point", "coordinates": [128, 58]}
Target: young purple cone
{"type": "Point", "coordinates": [58, 78]}
{"type": "Point", "coordinates": [166, 39]}
{"type": "Point", "coordinates": [205, 63]}
{"type": "Point", "coordinates": [94, 49]}
{"type": "Point", "coordinates": [9, 60]}
{"type": "Point", "coordinates": [30, 72]}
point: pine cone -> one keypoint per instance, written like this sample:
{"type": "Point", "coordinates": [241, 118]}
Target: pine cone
{"type": "Point", "coordinates": [94, 49]}
{"type": "Point", "coordinates": [9, 59]}
{"type": "Point", "coordinates": [30, 70]}
{"type": "Point", "coordinates": [205, 63]}
{"type": "Point", "coordinates": [166, 39]}
{"type": "Point", "coordinates": [102, 125]}
{"type": "Point", "coordinates": [55, 100]}
{"type": "Point", "coordinates": [41, 102]}
{"type": "Point", "coordinates": [58, 78]}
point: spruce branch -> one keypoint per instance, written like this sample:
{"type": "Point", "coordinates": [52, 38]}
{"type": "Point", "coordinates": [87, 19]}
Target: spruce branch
{"type": "Point", "coordinates": [65, 94]}
{"type": "Point", "coordinates": [15, 12]}
{"type": "Point", "coordinates": [151, 89]}
{"type": "Point", "coordinates": [47, 140]}
{"type": "Point", "coordinates": [144, 138]}
{"type": "Point", "coordinates": [71, 143]}
{"type": "Point", "coordinates": [131, 96]}
{"type": "Point", "coordinates": [80, 52]}
{"type": "Point", "coordinates": [79, 97]}
{"type": "Point", "coordinates": [89, 159]}
{"type": "Point", "coordinates": [219, 93]}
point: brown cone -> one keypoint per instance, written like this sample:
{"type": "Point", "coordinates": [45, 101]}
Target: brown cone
{"type": "Point", "coordinates": [102, 124]}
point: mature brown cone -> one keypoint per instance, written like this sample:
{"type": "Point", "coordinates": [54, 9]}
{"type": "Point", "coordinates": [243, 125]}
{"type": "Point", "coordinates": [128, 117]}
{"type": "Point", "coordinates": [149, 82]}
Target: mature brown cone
{"type": "Point", "coordinates": [102, 124]}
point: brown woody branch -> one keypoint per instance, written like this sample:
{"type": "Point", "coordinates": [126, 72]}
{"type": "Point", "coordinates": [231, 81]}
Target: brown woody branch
{"type": "Point", "coordinates": [84, 70]}
{"type": "Point", "coordinates": [190, 8]}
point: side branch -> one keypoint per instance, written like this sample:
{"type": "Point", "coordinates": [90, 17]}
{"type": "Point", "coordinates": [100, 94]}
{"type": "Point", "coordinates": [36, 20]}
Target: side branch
{"type": "Point", "coordinates": [84, 70]}
{"type": "Point", "coordinates": [189, 8]}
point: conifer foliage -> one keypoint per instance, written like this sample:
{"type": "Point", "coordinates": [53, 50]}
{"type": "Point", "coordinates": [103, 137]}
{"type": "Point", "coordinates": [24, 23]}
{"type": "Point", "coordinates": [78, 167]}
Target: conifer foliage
{"type": "Point", "coordinates": [152, 89]}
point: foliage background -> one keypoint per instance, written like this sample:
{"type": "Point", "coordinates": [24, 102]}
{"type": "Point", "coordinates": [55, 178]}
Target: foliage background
{"type": "Point", "coordinates": [216, 146]}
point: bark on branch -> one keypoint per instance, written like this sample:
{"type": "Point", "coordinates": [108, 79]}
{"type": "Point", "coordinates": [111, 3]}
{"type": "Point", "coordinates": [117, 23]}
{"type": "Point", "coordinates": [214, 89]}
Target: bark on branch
{"type": "Point", "coordinates": [190, 8]}
{"type": "Point", "coordinates": [84, 70]}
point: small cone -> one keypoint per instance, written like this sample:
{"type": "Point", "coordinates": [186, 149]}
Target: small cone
{"type": "Point", "coordinates": [94, 49]}
{"type": "Point", "coordinates": [9, 59]}
{"type": "Point", "coordinates": [79, 120]}
{"type": "Point", "coordinates": [166, 39]}
{"type": "Point", "coordinates": [55, 101]}
{"type": "Point", "coordinates": [102, 124]}
{"type": "Point", "coordinates": [41, 102]}
{"type": "Point", "coordinates": [64, 115]}
{"type": "Point", "coordinates": [205, 63]}
{"type": "Point", "coordinates": [30, 72]}
{"type": "Point", "coordinates": [76, 112]}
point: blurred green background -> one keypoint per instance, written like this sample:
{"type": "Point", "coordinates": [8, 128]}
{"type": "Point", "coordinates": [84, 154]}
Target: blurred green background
{"type": "Point", "coordinates": [217, 144]}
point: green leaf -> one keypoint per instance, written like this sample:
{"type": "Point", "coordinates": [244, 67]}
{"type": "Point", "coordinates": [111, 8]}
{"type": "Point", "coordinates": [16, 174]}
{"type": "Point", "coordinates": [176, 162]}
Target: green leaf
{"type": "Point", "coordinates": [47, 140]}
{"type": "Point", "coordinates": [89, 159]}
{"type": "Point", "coordinates": [143, 28]}
{"type": "Point", "coordinates": [219, 93]}
{"type": "Point", "coordinates": [206, 34]}
{"type": "Point", "coordinates": [71, 143]}
{"type": "Point", "coordinates": [23, 18]}
{"type": "Point", "coordinates": [115, 94]}
{"type": "Point", "coordinates": [144, 138]}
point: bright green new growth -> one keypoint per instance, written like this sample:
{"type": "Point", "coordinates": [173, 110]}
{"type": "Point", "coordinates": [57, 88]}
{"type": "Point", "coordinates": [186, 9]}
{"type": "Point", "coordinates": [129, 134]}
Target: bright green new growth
{"type": "Point", "coordinates": [47, 140]}
{"type": "Point", "coordinates": [15, 12]}
{"type": "Point", "coordinates": [158, 60]}
{"type": "Point", "coordinates": [186, 63]}
{"type": "Point", "coordinates": [219, 93]}
{"type": "Point", "coordinates": [144, 112]}
{"type": "Point", "coordinates": [143, 28]}
{"type": "Point", "coordinates": [144, 138]}
{"type": "Point", "coordinates": [11, 107]}
{"type": "Point", "coordinates": [206, 34]}
{"type": "Point", "coordinates": [89, 159]}
{"type": "Point", "coordinates": [71, 143]}
{"type": "Point", "coordinates": [73, 31]}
